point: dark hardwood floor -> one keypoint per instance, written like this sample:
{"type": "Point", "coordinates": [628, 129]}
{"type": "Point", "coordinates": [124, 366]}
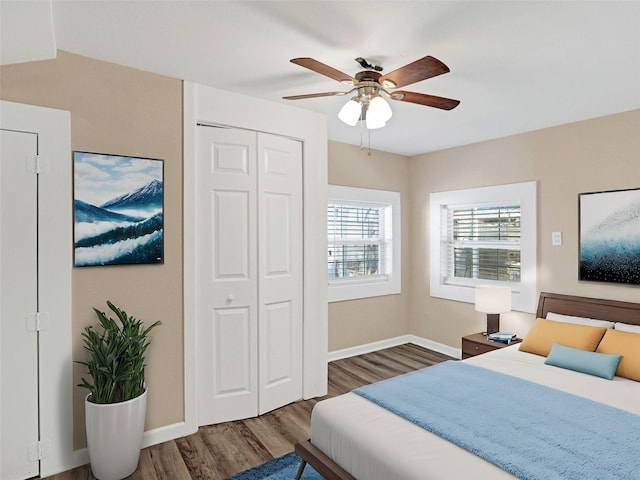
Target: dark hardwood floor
{"type": "Point", "coordinates": [219, 451]}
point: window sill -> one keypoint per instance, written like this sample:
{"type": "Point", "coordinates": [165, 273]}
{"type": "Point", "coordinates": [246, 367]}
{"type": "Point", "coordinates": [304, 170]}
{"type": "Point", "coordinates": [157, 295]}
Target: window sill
{"type": "Point", "coordinates": [353, 291]}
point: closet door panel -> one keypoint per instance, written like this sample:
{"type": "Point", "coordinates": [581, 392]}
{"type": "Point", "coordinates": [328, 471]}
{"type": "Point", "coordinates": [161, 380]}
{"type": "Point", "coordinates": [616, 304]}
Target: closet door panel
{"type": "Point", "coordinates": [278, 235]}
{"type": "Point", "coordinates": [232, 345]}
{"type": "Point", "coordinates": [227, 252]}
{"type": "Point", "coordinates": [280, 271]}
{"type": "Point", "coordinates": [278, 324]}
{"type": "Point", "coordinates": [231, 239]}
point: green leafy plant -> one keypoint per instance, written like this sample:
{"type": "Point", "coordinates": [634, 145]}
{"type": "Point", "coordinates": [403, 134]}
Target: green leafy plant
{"type": "Point", "coordinates": [116, 357]}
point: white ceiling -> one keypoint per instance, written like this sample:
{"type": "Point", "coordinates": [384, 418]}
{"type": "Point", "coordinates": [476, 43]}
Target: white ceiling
{"type": "Point", "coordinates": [516, 66]}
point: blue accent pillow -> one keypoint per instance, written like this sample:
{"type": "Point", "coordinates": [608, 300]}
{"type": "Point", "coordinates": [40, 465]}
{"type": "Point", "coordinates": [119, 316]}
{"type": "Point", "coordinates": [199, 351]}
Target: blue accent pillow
{"type": "Point", "coordinates": [598, 364]}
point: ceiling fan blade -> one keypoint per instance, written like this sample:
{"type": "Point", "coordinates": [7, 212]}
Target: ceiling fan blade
{"type": "Point", "coordinates": [413, 72]}
{"type": "Point", "coordinates": [424, 99]}
{"type": "Point", "coordinates": [323, 69]}
{"type": "Point", "coordinates": [314, 95]}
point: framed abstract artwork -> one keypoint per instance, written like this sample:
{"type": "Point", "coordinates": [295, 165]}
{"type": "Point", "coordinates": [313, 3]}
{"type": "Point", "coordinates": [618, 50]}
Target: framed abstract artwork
{"type": "Point", "coordinates": [610, 236]}
{"type": "Point", "coordinates": [118, 205]}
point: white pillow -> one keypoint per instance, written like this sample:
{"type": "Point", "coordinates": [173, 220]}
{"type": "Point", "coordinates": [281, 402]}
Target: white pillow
{"type": "Point", "coordinates": [558, 317]}
{"type": "Point", "coordinates": [625, 327]}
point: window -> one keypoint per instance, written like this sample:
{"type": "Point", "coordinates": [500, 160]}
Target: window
{"type": "Point", "coordinates": [485, 236]}
{"type": "Point", "coordinates": [363, 257]}
{"type": "Point", "coordinates": [357, 240]}
{"type": "Point", "coordinates": [483, 243]}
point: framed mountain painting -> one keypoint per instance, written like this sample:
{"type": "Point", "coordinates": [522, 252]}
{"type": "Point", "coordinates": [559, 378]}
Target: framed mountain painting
{"type": "Point", "coordinates": [118, 210]}
{"type": "Point", "coordinates": [610, 236]}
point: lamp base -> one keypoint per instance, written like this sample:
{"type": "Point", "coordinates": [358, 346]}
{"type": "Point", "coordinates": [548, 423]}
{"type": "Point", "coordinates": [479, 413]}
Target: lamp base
{"type": "Point", "coordinates": [493, 323]}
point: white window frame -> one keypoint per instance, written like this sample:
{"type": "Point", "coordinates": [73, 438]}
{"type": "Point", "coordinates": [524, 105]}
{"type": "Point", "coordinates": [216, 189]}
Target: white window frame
{"type": "Point", "coordinates": [524, 293]}
{"type": "Point", "coordinates": [390, 283]}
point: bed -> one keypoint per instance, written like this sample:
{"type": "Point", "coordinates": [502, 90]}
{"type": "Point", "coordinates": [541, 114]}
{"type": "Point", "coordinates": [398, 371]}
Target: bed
{"type": "Point", "coordinates": [354, 437]}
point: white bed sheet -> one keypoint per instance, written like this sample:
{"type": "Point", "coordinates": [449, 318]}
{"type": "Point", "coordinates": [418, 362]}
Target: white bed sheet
{"type": "Point", "coordinates": [372, 443]}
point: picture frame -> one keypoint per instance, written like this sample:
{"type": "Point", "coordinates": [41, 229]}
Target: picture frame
{"type": "Point", "coordinates": [118, 209]}
{"type": "Point", "coordinates": [609, 236]}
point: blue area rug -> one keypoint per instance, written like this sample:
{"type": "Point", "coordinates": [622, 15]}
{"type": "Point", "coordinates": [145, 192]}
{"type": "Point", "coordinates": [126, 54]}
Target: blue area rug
{"type": "Point", "coordinates": [281, 468]}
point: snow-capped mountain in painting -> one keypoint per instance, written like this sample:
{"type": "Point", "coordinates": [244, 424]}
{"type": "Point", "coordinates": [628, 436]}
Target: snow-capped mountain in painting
{"type": "Point", "coordinates": [127, 229]}
{"type": "Point", "coordinates": [610, 249]}
{"type": "Point", "coordinates": [148, 197]}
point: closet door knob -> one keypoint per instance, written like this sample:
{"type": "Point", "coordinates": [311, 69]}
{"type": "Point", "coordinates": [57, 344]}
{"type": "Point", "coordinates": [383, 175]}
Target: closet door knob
{"type": "Point", "coordinates": [230, 298]}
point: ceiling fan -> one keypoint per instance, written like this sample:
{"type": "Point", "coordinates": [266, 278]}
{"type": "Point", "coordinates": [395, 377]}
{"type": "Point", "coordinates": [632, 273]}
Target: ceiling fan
{"type": "Point", "coordinates": [370, 86]}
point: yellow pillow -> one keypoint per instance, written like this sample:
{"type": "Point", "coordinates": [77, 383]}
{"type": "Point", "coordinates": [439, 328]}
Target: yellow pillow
{"type": "Point", "coordinates": [544, 333]}
{"type": "Point", "coordinates": [628, 345]}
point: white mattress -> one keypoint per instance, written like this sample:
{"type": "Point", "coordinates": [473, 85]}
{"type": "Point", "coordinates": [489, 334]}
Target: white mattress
{"type": "Point", "coordinates": [372, 443]}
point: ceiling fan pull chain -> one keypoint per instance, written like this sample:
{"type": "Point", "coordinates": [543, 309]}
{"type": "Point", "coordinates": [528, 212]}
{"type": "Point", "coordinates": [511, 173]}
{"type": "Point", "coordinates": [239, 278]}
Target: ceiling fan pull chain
{"type": "Point", "coordinates": [362, 145]}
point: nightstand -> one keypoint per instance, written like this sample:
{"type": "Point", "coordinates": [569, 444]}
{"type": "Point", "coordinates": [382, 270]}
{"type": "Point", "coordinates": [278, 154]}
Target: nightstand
{"type": "Point", "coordinates": [477, 343]}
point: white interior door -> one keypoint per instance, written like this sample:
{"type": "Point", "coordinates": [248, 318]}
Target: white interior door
{"type": "Point", "coordinates": [227, 267]}
{"type": "Point", "coordinates": [49, 413]}
{"type": "Point", "coordinates": [280, 271]}
{"type": "Point", "coordinates": [18, 299]}
{"type": "Point", "coordinates": [249, 260]}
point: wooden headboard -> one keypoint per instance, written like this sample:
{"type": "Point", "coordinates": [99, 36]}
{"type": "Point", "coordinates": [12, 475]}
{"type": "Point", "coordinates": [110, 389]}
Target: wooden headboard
{"type": "Point", "coordinates": [612, 310]}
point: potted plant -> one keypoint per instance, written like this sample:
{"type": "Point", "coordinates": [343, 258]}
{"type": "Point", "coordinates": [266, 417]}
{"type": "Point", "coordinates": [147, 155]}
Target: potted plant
{"type": "Point", "coordinates": [116, 405]}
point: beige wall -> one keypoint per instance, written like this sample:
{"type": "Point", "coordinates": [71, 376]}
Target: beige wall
{"type": "Point", "coordinates": [120, 110]}
{"type": "Point", "coordinates": [357, 322]}
{"type": "Point", "coordinates": [593, 155]}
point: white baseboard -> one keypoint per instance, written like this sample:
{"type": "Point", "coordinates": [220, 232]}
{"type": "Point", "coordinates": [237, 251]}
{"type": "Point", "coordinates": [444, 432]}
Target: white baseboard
{"type": "Point", "coordinates": [394, 342]}
{"type": "Point", "coordinates": [167, 433]}
{"type": "Point", "coordinates": [150, 437]}
{"type": "Point", "coordinates": [436, 346]}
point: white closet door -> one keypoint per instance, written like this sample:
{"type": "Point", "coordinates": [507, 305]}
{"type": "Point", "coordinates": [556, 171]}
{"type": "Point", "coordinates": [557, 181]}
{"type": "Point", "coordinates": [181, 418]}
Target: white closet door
{"type": "Point", "coordinates": [227, 266]}
{"type": "Point", "coordinates": [18, 299]}
{"type": "Point", "coordinates": [280, 271]}
{"type": "Point", "coordinates": [249, 258]}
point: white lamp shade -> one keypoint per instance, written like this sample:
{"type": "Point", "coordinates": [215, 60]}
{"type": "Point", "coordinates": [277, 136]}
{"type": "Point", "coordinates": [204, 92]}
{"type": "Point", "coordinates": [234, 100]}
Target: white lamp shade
{"type": "Point", "coordinates": [491, 299]}
{"type": "Point", "coordinates": [378, 112]}
{"type": "Point", "coordinates": [374, 123]}
{"type": "Point", "coordinates": [350, 113]}
{"type": "Point", "coordinates": [379, 108]}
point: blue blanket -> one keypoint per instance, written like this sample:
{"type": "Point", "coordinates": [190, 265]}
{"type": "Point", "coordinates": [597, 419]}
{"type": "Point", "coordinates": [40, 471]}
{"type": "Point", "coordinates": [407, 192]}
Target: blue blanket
{"type": "Point", "coordinates": [529, 430]}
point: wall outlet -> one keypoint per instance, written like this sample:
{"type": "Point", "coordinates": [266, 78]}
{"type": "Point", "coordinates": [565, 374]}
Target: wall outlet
{"type": "Point", "coordinates": [556, 238]}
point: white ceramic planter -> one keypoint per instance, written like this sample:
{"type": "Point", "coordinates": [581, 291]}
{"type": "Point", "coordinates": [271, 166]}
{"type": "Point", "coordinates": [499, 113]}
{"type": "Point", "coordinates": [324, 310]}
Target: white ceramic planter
{"type": "Point", "coordinates": [114, 436]}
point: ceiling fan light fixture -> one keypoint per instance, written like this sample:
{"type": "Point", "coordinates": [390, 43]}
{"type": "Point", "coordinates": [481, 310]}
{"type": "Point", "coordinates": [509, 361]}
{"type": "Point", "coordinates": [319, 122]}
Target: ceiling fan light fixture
{"type": "Point", "coordinates": [350, 112]}
{"type": "Point", "coordinates": [370, 83]}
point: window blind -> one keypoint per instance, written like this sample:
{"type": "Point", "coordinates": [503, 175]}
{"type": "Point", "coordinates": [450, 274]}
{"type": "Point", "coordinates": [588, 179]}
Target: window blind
{"type": "Point", "coordinates": [355, 243]}
{"type": "Point", "coordinates": [483, 243]}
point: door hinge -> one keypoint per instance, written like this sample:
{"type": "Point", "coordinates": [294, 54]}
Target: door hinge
{"type": "Point", "coordinates": [39, 450]}
{"type": "Point", "coordinates": [38, 322]}
{"type": "Point", "coordinates": [37, 164]}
